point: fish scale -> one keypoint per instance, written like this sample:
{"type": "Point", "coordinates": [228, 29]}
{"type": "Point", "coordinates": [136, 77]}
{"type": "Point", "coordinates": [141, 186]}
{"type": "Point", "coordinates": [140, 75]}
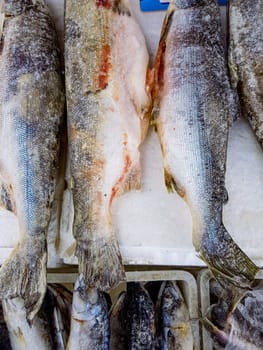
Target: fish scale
{"type": "Point", "coordinates": [194, 106]}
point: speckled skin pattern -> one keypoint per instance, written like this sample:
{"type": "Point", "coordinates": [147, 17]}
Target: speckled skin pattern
{"type": "Point", "coordinates": [31, 108]}
{"type": "Point", "coordinates": [194, 106]}
{"type": "Point", "coordinates": [106, 65]}
{"type": "Point", "coordinates": [246, 59]}
{"type": "Point", "coordinates": [174, 328]}
{"type": "Point", "coordinates": [90, 326]}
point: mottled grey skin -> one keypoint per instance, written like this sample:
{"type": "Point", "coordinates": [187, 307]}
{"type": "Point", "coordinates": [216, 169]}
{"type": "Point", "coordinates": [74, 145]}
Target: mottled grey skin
{"type": "Point", "coordinates": [90, 326]}
{"type": "Point", "coordinates": [194, 106]}
{"type": "Point", "coordinates": [246, 59]}
{"type": "Point", "coordinates": [174, 326]}
{"type": "Point", "coordinates": [31, 108]}
{"type": "Point", "coordinates": [140, 318]}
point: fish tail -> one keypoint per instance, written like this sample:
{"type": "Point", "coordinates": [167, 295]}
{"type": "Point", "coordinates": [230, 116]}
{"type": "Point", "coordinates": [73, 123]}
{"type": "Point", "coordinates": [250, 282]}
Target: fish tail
{"type": "Point", "coordinates": [100, 263]}
{"type": "Point", "coordinates": [23, 274]}
{"type": "Point", "coordinates": [226, 260]}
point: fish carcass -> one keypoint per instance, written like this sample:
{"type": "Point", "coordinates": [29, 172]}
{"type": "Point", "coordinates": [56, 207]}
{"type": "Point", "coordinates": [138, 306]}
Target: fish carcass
{"type": "Point", "coordinates": [90, 326]}
{"type": "Point", "coordinates": [193, 108]}
{"type": "Point", "coordinates": [107, 101]}
{"type": "Point", "coordinates": [31, 108]}
{"type": "Point", "coordinates": [245, 57]}
{"type": "Point", "coordinates": [173, 319]}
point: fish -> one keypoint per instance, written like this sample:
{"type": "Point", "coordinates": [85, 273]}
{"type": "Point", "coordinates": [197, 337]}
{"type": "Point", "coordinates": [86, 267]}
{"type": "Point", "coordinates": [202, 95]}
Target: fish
{"type": "Point", "coordinates": [245, 59]}
{"type": "Point", "coordinates": [61, 299]}
{"type": "Point", "coordinates": [32, 103]}
{"type": "Point", "coordinates": [90, 325]}
{"type": "Point", "coordinates": [37, 335]}
{"type": "Point", "coordinates": [4, 338]}
{"type": "Point", "coordinates": [108, 104]}
{"type": "Point", "coordinates": [193, 108]}
{"type": "Point", "coordinates": [243, 325]}
{"type": "Point", "coordinates": [140, 318]}
{"type": "Point", "coordinates": [175, 330]}
{"type": "Point", "coordinates": [118, 324]}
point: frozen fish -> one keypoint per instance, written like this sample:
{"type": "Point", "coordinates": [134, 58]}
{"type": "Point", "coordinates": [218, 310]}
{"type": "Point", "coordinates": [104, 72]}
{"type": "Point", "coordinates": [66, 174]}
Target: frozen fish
{"type": "Point", "coordinates": [174, 326]}
{"type": "Point", "coordinates": [90, 326]}
{"type": "Point", "coordinates": [107, 101]}
{"type": "Point", "coordinates": [31, 108]}
{"type": "Point", "coordinates": [245, 57]}
{"type": "Point", "coordinates": [193, 108]}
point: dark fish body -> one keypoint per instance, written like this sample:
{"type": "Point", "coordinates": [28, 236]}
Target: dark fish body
{"type": "Point", "coordinates": [173, 320]}
{"type": "Point", "coordinates": [118, 324]}
{"type": "Point", "coordinates": [140, 318]}
{"type": "Point", "coordinates": [31, 108]}
{"type": "Point", "coordinates": [90, 326]}
{"type": "Point", "coordinates": [61, 300]}
{"type": "Point", "coordinates": [245, 55]}
{"type": "Point", "coordinates": [106, 66]}
{"type": "Point", "coordinates": [194, 105]}
{"type": "Point", "coordinates": [4, 335]}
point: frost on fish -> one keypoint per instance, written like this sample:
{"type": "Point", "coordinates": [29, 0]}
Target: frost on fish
{"type": "Point", "coordinates": [23, 336]}
{"type": "Point", "coordinates": [90, 319]}
{"type": "Point", "coordinates": [31, 107]}
{"type": "Point", "coordinates": [245, 57]}
{"type": "Point", "coordinates": [193, 108]}
{"type": "Point", "coordinates": [173, 319]}
{"type": "Point", "coordinates": [107, 101]}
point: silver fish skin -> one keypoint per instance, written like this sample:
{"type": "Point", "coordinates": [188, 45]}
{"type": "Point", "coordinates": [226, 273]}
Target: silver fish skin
{"type": "Point", "coordinates": [118, 326]}
{"type": "Point", "coordinates": [4, 334]}
{"type": "Point", "coordinates": [31, 110]}
{"type": "Point", "coordinates": [106, 63]}
{"type": "Point", "coordinates": [193, 108]}
{"type": "Point", "coordinates": [90, 326]}
{"type": "Point", "coordinates": [174, 321]}
{"type": "Point", "coordinates": [140, 318]}
{"type": "Point", "coordinates": [245, 58]}
{"type": "Point", "coordinates": [23, 336]}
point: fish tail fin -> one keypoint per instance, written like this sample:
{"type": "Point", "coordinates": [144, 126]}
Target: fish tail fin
{"type": "Point", "coordinates": [227, 261]}
{"type": "Point", "coordinates": [23, 274]}
{"type": "Point", "coordinates": [100, 263]}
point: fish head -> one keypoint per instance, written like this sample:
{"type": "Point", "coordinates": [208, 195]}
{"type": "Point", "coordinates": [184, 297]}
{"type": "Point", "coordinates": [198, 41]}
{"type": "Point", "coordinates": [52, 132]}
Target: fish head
{"type": "Point", "coordinates": [16, 7]}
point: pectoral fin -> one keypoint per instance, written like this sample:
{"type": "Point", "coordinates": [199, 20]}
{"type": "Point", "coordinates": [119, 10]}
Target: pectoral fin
{"type": "Point", "coordinates": [171, 184]}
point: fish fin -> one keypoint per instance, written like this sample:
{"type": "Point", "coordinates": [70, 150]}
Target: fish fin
{"type": "Point", "coordinates": [100, 263]}
{"type": "Point", "coordinates": [23, 274]}
{"type": "Point", "coordinates": [7, 196]}
{"type": "Point", "coordinates": [225, 259]}
{"type": "Point", "coordinates": [129, 180]}
{"type": "Point", "coordinates": [171, 184]}
{"type": "Point", "coordinates": [158, 69]}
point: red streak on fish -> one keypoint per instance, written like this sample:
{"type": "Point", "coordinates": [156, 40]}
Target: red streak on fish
{"type": "Point", "coordinates": [127, 165]}
{"type": "Point", "coordinates": [103, 3]}
{"type": "Point", "coordinates": [105, 66]}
